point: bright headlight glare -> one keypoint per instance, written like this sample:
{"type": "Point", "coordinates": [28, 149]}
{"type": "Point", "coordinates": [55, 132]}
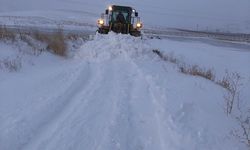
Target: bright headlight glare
{"type": "Point", "coordinates": [138, 25]}
{"type": "Point", "coordinates": [110, 8]}
{"type": "Point", "coordinates": [100, 22]}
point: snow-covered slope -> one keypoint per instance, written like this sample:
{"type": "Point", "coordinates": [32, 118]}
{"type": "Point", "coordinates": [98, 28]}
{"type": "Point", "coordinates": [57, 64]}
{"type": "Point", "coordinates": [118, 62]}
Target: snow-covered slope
{"type": "Point", "coordinates": [212, 15]}
{"type": "Point", "coordinates": [115, 93]}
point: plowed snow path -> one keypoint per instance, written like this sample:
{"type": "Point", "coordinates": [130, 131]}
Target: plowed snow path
{"type": "Point", "coordinates": [115, 95]}
{"type": "Point", "coordinates": [101, 100]}
{"type": "Point", "coordinates": [114, 109]}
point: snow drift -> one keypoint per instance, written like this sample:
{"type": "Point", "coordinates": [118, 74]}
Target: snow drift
{"type": "Point", "coordinates": [115, 93]}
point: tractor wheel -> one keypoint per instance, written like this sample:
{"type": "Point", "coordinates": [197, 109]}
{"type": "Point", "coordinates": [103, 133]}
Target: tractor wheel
{"type": "Point", "coordinates": [103, 31]}
{"type": "Point", "coordinates": [135, 33]}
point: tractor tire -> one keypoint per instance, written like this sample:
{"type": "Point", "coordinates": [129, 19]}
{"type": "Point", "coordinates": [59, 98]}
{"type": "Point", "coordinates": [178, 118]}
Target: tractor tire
{"type": "Point", "coordinates": [103, 31]}
{"type": "Point", "coordinates": [135, 33]}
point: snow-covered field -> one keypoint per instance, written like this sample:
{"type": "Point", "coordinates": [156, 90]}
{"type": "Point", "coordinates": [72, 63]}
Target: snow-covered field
{"type": "Point", "coordinates": [211, 15]}
{"type": "Point", "coordinates": [115, 93]}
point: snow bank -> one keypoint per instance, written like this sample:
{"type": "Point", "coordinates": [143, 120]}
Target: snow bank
{"type": "Point", "coordinates": [113, 46]}
{"type": "Point", "coordinates": [220, 58]}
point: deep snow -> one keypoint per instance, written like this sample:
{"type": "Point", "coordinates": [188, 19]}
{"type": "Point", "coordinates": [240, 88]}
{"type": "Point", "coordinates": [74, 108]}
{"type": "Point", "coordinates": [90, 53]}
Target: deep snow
{"type": "Point", "coordinates": [116, 94]}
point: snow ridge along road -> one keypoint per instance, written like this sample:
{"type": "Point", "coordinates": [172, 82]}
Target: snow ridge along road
{"type": "Point", "coordinates": [115, 94]}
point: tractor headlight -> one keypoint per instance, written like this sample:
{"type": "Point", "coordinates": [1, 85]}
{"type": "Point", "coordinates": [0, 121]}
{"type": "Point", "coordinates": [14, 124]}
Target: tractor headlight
{"type": "Point", "coordinates": [100, 22]}
{"type": "Point", "coordinates": [138, 25]}
{"type": "Point", "coordinates": [110, 8]}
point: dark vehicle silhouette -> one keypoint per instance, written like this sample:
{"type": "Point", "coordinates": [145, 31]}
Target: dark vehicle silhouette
{"type": "Point", "coordinates": [120, 19]}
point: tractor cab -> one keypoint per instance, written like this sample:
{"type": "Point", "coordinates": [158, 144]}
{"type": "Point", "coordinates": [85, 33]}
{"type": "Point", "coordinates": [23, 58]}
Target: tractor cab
{"type": "Point", "coordinates": [120, 19]}
{"type": "Point", "coordinates": [119, 12]}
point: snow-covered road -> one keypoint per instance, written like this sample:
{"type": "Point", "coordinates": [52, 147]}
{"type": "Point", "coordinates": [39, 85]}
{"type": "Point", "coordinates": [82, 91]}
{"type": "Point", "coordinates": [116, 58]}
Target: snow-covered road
{"type": "Point", "coordinates": [110, 105]}
{"type": "Point", "coordinates": [114, 94]}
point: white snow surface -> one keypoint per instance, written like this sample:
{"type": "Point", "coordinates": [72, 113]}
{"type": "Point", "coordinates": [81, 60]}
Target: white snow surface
{"type": "Point", "coordinates": [116, 94]}
{"type": "Point", "coordinates": [211, 15]}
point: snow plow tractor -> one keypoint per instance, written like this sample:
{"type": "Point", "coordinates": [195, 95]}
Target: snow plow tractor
{"type": "Point", "coordinates": [120, 19]}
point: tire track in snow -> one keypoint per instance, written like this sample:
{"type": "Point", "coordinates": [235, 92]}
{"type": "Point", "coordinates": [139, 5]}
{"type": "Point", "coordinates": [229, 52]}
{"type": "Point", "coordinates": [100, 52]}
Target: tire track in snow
{"type": "Point", "coordinates": [69, 101]}
{"type": "Point", "coordinates": [38, 107]}
{"type": "Point", "coordinates": [119, 95]}
{"type": "Point", "coordinates": [136, 115]}
{"type": "Point", "coordinates": [86, 125]}
{"type": "Point", "coordinates": [166, 126]}
{"type": "Point", "coordinates": [118, 129]}
{"type": "Point", "coordinates": [100, 112]}
{"type": "Point", "coordinates": [155, 109]}
{"type": "Point", "coordinates": [155, 96]}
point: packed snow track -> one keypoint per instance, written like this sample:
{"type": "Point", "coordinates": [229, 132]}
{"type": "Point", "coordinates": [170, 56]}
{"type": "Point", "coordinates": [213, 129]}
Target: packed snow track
{"type": "Point", "coordinates": [114, 95]}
